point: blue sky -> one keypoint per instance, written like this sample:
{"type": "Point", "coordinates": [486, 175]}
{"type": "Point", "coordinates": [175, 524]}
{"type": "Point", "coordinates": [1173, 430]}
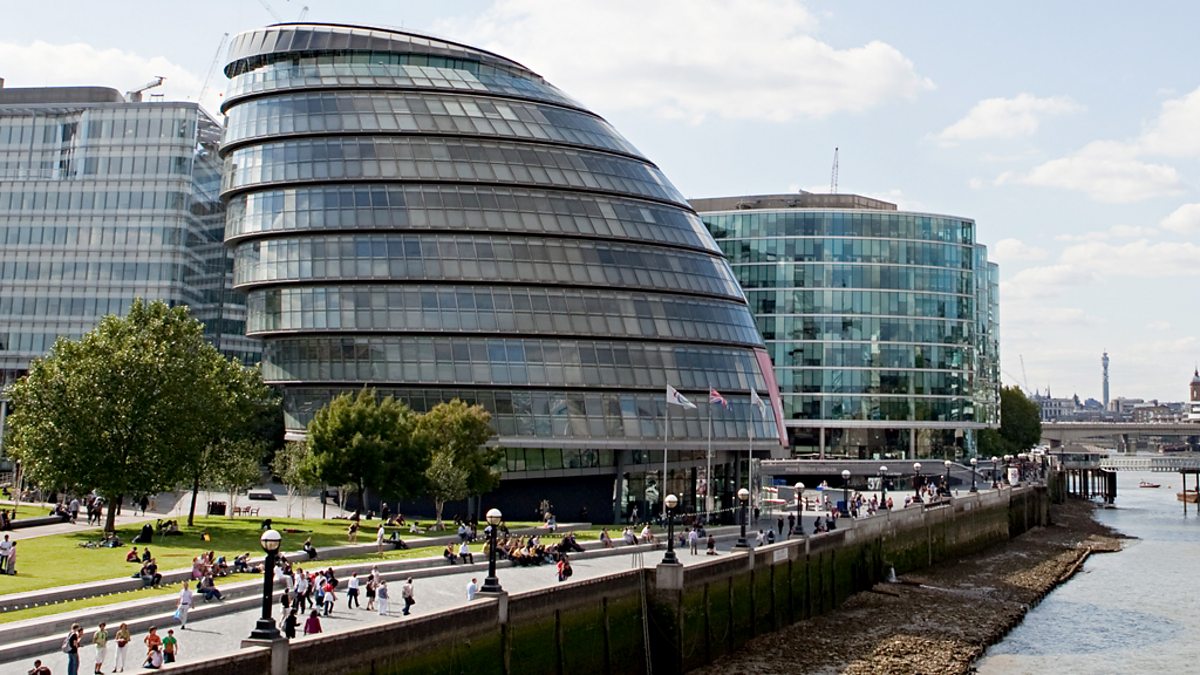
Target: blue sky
{"type": "Point", "coordinates": [1069, 131]}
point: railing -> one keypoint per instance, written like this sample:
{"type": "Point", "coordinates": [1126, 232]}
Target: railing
{"type": "Point", "coordinates": [1191, 463]}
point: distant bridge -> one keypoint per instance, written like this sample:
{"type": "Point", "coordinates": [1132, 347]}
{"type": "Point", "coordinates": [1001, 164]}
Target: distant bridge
{"type": "Point", "coordinates": [1121, 433]}
{"type": "Point", "coordinates": [1173, 463]}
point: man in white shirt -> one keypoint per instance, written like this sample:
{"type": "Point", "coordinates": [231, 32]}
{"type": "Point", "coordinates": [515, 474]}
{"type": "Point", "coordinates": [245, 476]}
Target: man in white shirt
{"type": "Point", "coordinates": [694, 541]}
{"type": "Point", "coordinates": [379, 540]}
{"type": "Point", "coordinates": [472, 589]}
{"type": "Point", "coordinates": [5, 547]}
{"type": "Point", "coordinates": [185, 604]}
{"type": "Point", "coordinates": [464, 553]}
{"type": "Point", "coordinates": [352, 591]}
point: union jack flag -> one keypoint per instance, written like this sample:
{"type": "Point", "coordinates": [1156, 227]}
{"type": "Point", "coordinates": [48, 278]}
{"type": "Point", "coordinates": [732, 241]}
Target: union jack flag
{"type": "Point", "coordinates": [715, 396]}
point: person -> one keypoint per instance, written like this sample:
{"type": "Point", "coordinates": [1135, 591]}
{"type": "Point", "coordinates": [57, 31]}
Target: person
{"type": "Point", "coordinates": [152, 640]}
{"type": "Point", "coordinates": [133, 556]}
{"type": "Point", "coordinates": [38, 668]}
{"type": "Point", "coordinates": [694, 541]}
{"type": "Point", "coordinates": [330, 596]}
{"type": "Point", "coordinates": [407, 594]}
{"type": "Point", "coordinates": [12, 559]}
{"type": "Point", "coordinates": [302, 587]}
{"type": "Point", "coordinates": [170, 647]}
{"type": "Point", "coordinates": [647, 536]}
{"type": "Point", "coordinates": [149, 573]}
{"type": "Point", "coordinates": [770, 536]}
{"type": "Point", "coordinates": [464, 552]}
{"type": "Point", "coordinates": [122, 637]}
{"type": "Point", "coordinates": [791, 523]}
{"type": "Point", "coordinates": [352, 591]}
{"type": "Point", "coordinates": [312, 625]}
{"type": "Point", "coordinates": [184, 606]}
{"type": "Point", "coordinates": [605, 540]}
{"type": "Point", "coordinates": [5, 546]}
{"type": "Point", "coordinates": [154, 658]}
{"type": "Point", "coordinates": [712, 545]}
{"type": "Point", "coordinates": [381, 592]}
{"type": "Point", "coordinates": [352, 532]}
{"type": "Point", "coordinates": [759, 539]}
{"type": "Point", "coordinates": [385, 513]}
{"type": "Point", "coordinates": [309, 549]}
{"type": "Point", "coordinates": [100, 640]}
{"type": "Point", "coordinates": [144, 502]}
{"type": "Point", "coordinates": [71, 648]}
{"type": "Point", "coordinates": [73, 509]}
{"type": "Point", "coordinates": [633, 515]}
{"type": "Point", "coordinates": [146, 535]}
{"type": "Point", "coordinates": [289, 624]}
{"type": "Point", "coordinates": [472, 589]}
{"type": "Point", "coordinates": [564, 568]}
{"type": "Point", "coordinates": [779, 524]}
{"type": "Point", "coordinates": [379, 534]}
{"type": "Point", "coordinates": [208, 587]}
{"type": "Point", "coordinates": [371, 585]}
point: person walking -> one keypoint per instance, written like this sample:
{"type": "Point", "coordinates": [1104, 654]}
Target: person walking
{"type": "Point", "coordinates": [381, 594]}
{"type": "Point", "coordinates": [472, 589]}
{"type": "Point", "coordinates": [407, 593]}
{"type": "Point", "coordinates": [352, 591]}
{"type": "Point", "coordinates": [185, 605]}
{"type": "Point", "coordinates": [330, 597]}
{"type": "Point", "coordinates": [170, 647]}
{"type": "Point", "coordinates": [289, 625]}
{"type": "Point", "coordinates": [100, 639]}
{"type": "Point", "coordinates": [371, 591]}
{"type": "Point", "coordinates": [122, 637]}
{"type": "Point", "coordinates": [71, 647]}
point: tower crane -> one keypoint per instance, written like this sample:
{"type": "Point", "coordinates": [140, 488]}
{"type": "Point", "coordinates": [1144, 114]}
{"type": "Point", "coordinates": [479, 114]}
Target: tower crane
{"type": "Point", "coordinates": [135, 96]}
{"type": "Point", "coordinates": [211, 67]}
{"type": "Point", "coordinates": [833, 175]}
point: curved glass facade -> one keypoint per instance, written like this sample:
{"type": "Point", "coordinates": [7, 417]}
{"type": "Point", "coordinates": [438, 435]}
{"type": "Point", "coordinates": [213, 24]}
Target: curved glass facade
{"type": "Point", "coordinates": [880, 323]}
{"type": "Point", "coordinates": [438, 221]}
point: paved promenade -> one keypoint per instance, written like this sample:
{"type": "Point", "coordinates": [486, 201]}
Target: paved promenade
{"type": "Point", "coordinates": [223, 634]}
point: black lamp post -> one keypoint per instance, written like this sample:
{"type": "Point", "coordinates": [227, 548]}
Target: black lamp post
{"type": "Point", "coordinates": [846, 490]}
{"type": "Point", "coordinates": [917, 479]}
{"type": "Point", "coordinates": [743, 496]}
{"type": "Point", "coordinates": [265, 629]}
{"type": "Point", "coordinates": [799, 488]}
{"type": "Point", "coordinates": [974, 465]}
{"type": "Point", "coordinates": [995, 465]}
{"type": "Point", "coordinates": [492, 584]}
{"type": "Point", "coordinates": [948, 464]}
{"type": "Point", "coordinates": [669, 558]}
{"type": "Point", "coordinates": [883, 487]}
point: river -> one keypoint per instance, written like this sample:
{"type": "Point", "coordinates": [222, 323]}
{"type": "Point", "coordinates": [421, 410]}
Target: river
{"type": "Point", "coordinates": [1136, 611]}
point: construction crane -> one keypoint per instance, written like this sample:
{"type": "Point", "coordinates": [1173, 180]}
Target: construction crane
{"type": "Point", "coordinates": [270, 11]}
{"type": "Point", "coordinates": [211, 67]}
{"type": "Point", "coordinates": [303, 13]}
{"type": "Point", "coordinates": [833, 177]}
{"type": "Point", "coordinates": [1025, 376]}
{"type": "Point", "coordinates": [135, 96]}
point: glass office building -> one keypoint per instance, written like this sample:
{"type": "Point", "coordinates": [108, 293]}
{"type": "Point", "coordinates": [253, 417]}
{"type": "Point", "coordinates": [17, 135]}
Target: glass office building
{"type": "Point", "coordinates": [103, 201]}
{"type": "Point", "coordinates": [882, 324]}
{"type": "Point", "coordinates": [437, 221]}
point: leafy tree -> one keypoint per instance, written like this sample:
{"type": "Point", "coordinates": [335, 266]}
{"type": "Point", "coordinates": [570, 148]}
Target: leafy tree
{"type": "Point", "coordinates": [294, 469]}
{"type": "Point", "coordinates": [243, 410]}
{"type": "Point", "coordinates": [458, 431]}
{"type": "Point", "coordinates": [1020, 426]}
{"type": "Point", "coordinates": [447, 481]}
{"type": "Point", "coordinates": [368, 442]}
{"type": "Point", "coordinates": [121, 410]}
{"type": "Point", "coordinates": [234, 465]}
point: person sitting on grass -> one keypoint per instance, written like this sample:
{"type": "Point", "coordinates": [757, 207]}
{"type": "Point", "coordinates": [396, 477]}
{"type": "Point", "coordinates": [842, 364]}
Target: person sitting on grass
{"type": "Point", "coordinates": [132, 556]}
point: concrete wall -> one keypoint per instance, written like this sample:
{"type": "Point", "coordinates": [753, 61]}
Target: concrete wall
{"type": "Point", "coordinates": [684, 617]}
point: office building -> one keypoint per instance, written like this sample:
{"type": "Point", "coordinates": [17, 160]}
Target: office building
{"type": "Point", "coordinates": [437, 222]}
{"type": "Point", "coordinates": [882, 324]}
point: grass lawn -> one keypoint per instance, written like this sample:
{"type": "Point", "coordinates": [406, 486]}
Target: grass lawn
{"type": "Point", "coordinates": [27, 510]}
{"type": "Point", "coordinates": [59, 560]}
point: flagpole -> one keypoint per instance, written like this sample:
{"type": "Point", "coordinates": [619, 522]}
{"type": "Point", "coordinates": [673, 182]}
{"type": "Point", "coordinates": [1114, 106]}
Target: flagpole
{"type": "Point", "coordinates": [750, 464]}
{"type": "Point", "coordinates": [708, 469]}
{"type": "Point", "coordinates": [662, 488]}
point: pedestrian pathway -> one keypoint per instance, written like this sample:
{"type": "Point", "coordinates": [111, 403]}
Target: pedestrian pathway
{"type": "Point", "coordinates": [223, 634]}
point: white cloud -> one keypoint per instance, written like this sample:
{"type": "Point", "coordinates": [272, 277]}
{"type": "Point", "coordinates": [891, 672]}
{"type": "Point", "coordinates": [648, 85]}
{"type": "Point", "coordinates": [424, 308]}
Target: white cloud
{"type": "Point", "coordinates": [1046, 281]}
{"type": "Point", "coordinates": [1014, 251]}
{"type": "Point", "coordinates": [1142, 259]}
{"type": "Point", "coordinates": [690, 59]}
{"type": "Point", "coordinates": [1106, 171]}
{"type": "Point", "coordinates": [41, 64]}
{"type": "Point", "coordinates": [1114, 232]}
{"type": "Point", "coordinates": [1183, 220]}
{"type": "Point", "coordinates": [1176, 132]}
{"type": "Point", "coordinates": [1006, 117]}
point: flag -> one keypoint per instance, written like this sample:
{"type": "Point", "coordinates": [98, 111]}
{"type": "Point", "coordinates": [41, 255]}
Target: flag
{"type": "Point", "coordinates": [715, 396]}
{"type": "Point", "coordinates": [758, 403]}
{"type": "Point", "coordinates": [676, 398]}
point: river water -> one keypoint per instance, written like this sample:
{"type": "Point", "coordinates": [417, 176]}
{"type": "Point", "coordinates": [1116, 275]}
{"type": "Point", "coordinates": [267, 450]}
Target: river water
{"type": "Point", "coordinates": [1136, 611]}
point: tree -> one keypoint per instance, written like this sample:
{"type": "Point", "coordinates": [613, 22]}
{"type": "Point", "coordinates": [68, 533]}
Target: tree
{"type": "Point", "coordinates": [457, 431]}
{"type": "Point", "coordinates": [294, 469]}
{"type": "Point", "coordinates": [368, 442]}
{"type": "Point", "coordinates": [234, 465]}
{"type": "Point", "coordinates": [1020, 426]}
{"type": "Point", "coordinates": [243, 410]}
{"type": "Point", "coordinates": [447, 481]}
{"type": "Point", "coordinates": [121, 410]}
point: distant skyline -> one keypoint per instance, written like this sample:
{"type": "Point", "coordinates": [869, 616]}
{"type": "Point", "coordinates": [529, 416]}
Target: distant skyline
{"type": "Point", "coordinates": [1070, 133]}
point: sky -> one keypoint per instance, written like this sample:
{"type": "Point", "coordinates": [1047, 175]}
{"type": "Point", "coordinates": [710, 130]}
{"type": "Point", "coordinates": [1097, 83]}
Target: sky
{"type": "Point", "coordinates": [1070, 132]}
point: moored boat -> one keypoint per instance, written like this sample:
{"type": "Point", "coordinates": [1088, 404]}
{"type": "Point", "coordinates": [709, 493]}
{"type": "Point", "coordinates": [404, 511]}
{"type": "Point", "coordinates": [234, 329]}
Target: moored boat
{"type": "Point", "coordinates": [1189, 496]}
{"type": "Point", "coordinates": [1148, 484]}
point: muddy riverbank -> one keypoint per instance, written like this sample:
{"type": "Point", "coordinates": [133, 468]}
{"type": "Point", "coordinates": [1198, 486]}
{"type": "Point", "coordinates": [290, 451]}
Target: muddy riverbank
{"type": "Point", "coordinates": [938, 621]}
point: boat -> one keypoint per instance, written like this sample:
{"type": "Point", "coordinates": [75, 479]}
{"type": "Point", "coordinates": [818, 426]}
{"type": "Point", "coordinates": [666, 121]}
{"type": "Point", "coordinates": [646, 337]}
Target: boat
{"type": "Point", "coordinates": [1148, 484]}
{"type": "Point", "coordinates": [1188, 496]}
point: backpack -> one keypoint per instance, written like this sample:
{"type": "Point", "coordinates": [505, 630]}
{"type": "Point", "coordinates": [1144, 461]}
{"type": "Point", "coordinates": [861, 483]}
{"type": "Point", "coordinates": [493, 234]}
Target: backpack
{"type": "Point", "coordinates": [66, 645]}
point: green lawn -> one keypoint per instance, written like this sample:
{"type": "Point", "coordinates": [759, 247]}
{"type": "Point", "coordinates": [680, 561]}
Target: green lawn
{"type": "Point", "coordinates": [59, 560]}
{"type": "Point", "coordinates": [28, 510]}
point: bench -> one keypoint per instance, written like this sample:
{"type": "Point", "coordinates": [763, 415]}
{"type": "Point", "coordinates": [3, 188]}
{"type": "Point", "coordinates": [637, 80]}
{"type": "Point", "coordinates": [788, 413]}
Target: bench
{"type": "Point", "coordinates": [35, 522]}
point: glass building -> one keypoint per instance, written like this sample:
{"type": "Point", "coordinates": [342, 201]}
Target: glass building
{"type": "Point", "coordinates": [437, 221]}
{"type": "Point", "coordinates": [882, 324]}
{"type": "Point", "coordinates": [103, 201]}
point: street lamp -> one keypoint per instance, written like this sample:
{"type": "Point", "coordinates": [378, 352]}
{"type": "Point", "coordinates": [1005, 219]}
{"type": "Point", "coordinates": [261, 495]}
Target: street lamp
{"type": "Point", "coordinates": [995, 463]}
{"type": "Point", "coordinates": [265, 629]}
{"type": "Point", "coordinates": [846, 490]}
{"type": "Point", "coordinates": [883, 487]}
{"type": "Point", "coordinates": [492, 584]}
{"type": "Point", "coordinates": [974, 464]}
{"type": "Point", "coordinates": [917, 479]}
{"type": "Point", "coordinates": [743, 496]}
{"type": "Point", "coordinates": [669, 559]}
{"type": "Point", "coordinates": [799, 488]}
{"type": "Point", "coordinates": [948, 463]}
